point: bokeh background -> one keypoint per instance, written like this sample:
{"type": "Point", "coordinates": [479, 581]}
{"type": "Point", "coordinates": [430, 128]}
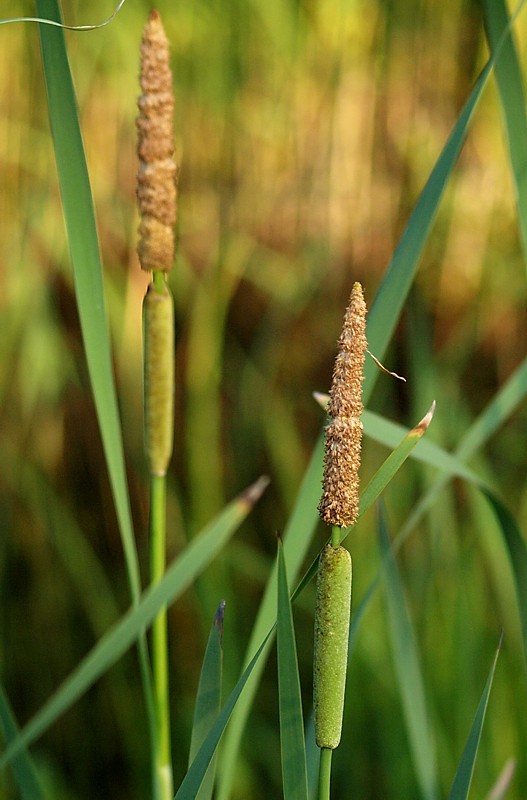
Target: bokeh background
{"type": "Point", "coordinates": [305, 132]}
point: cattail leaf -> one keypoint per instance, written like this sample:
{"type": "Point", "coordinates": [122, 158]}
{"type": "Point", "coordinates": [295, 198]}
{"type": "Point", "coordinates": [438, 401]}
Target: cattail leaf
{"type": "Point", "coordinates": [512, 98]}
{"type": "Point", "coordinates": [390, 434]}
{"type": "Point", "coordinates": [517, 550]}
{"type": "Point", "coordinates": [208, 699]}
{"type": "Point", "coordinates": [24, 772]}
{"type": "Point", "coordinates": [194, 777]}
{"type": "Point", "coordinates": [461, 786]}
{"type": "Point", "coordinates": [409, 675]}
{"type": "Point", "coordinates": [312, 758]}
{"type": "Point", "coordinates": [179, 575]}
{"type": "Point", "coordinates": [83, 242]}
{"type": "Point", "coordinates": [294, 770]}
{"type": "Point", "coordinates": [393, 463]}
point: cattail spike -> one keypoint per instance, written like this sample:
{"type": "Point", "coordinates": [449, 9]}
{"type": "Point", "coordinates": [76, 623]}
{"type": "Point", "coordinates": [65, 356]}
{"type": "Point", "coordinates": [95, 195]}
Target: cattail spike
{"type": "Point", "coordinates": [340, 499]}
{"type": "Point", "coordinates": [157, 176]}
{"type": "Point", "coordinates": [332, 617]}
{"type": "Point", "coordinates": [158, 332]}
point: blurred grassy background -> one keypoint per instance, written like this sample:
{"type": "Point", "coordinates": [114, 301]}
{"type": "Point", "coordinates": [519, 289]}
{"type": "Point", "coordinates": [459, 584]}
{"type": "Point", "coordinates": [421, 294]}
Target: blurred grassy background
{"type": "Point", "coordinates": [305, 132]}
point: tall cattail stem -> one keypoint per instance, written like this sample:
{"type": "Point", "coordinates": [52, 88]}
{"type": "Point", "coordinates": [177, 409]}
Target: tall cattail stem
{"type": "Point", "coordinates": [324, 774]}
{"type": "Point", "coordinates": [163, 783]}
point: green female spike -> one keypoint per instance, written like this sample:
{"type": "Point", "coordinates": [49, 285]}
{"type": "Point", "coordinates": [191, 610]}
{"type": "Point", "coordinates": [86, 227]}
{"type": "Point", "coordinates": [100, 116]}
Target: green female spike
{"type": "Point", "coordinates": [332, 617]}
{"type": "Point", "coordinates": [158, 322]}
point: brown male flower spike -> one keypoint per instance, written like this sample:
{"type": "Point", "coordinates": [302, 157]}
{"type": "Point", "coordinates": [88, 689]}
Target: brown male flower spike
{"type": "Point", "coordinates": [156, 179]}
{"type": "Point", "coordinates": [340, 499]}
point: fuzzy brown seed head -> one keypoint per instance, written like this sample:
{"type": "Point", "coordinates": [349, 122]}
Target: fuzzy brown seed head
{"type": "Point", "coordinates": [157, 176]}
{"type": "Point", "coordinates": [340, 499]}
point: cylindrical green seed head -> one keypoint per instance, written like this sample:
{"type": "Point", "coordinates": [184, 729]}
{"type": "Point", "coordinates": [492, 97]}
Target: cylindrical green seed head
{"type": "Point", "coordinates": [157, 177]}
{"type": "Point", "coordinates": [158, 333]}
{"type": "Point", "coordinates": [332, 616]}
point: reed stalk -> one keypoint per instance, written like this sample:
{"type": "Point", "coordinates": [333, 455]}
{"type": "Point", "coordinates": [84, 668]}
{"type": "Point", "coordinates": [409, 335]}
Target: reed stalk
{"type": "Point", "coordinates": [156, 192]}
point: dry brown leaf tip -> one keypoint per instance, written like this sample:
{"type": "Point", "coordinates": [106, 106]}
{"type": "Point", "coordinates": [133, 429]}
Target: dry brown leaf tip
{"type": "Point", "coordinates": [157, 176]}
{"type": "Point", "coordinates": [343, 435]}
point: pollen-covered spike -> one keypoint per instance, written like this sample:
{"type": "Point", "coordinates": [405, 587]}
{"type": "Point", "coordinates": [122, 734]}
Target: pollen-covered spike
{"type": "Point", "coordinates": [157, 176]}
{"type": "Point", "coordinates": [343, 436]}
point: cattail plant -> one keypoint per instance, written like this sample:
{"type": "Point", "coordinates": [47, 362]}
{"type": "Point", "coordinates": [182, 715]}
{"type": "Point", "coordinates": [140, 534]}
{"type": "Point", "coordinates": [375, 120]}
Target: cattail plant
{"type": "Point", "coordinates": [338, 507]}
{"type": "Point", "coordinates": [156, 194]}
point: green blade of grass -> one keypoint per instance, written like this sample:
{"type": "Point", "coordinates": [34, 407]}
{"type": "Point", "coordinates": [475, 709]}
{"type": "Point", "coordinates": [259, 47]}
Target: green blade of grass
{"type": "Point", "coordinates": [24, 771]}
{"type": "Point", "coordinates": [83, 242]}
{"type": "Point", "coordinates": [512, 97]}
{"type": "Point", "coordinates": [208, 700]}
{"type": "Point", "coordinates": [389, 433]}
{"type": "Point", "coordinates": [293, 748]}
{"type": "Point", "coordinates": [409, 675]}
{"type": "Point", "coordinates": [179, 575]}
{"type": "Point", "coordinates": [512, 393]}
{"type": "Point", "coordinates": [194, 777]}
{"type": "Point", "coordinates": [465, 771]}
{"type": "Point", "coordinates": [517, 549]}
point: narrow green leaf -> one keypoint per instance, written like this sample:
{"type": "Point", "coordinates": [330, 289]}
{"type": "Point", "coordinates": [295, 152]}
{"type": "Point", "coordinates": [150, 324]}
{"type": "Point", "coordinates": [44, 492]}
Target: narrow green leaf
{"type": "Point", "coordinates": [503, 404]}
{"type": "Point", "coordinates": [24, 770]}
{"type": "Point", "coordinates": [518, 557]}
{"type": "Point", "coordinates": [179, 575]}
{"type": "Point", "coordinates": [393, 463]}
{"type": "Point", "coordinates": [312, 758]}
{"type": "Point", "coordinates": [194, 777]}
{"type": "Point", "coordinates": [512, 97]}
{"type": "Point", "coordinates": [389, 434]}
{"type": "Point", "coordinates": [293, 748]}
{"type": "Point", "coordinates": [409, 675]}
{"type": "Point", "coordinates": [83, 243]}
{"type": "Point", "coordinates": [465, 771]}
{"type": "Point", "coordinates": [87, 270]}
{"type": "Point", "coordinates": [208, 700]}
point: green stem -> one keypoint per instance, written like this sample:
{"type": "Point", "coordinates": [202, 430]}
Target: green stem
{"type": "Point", "coordinates": [336, 533]}
{"type": "Point", "coordinates": [159, 280]}
{"type": "Point", "coordinates": [163, 764]}
{"type": "Point", "coordinates": [324, 775]}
